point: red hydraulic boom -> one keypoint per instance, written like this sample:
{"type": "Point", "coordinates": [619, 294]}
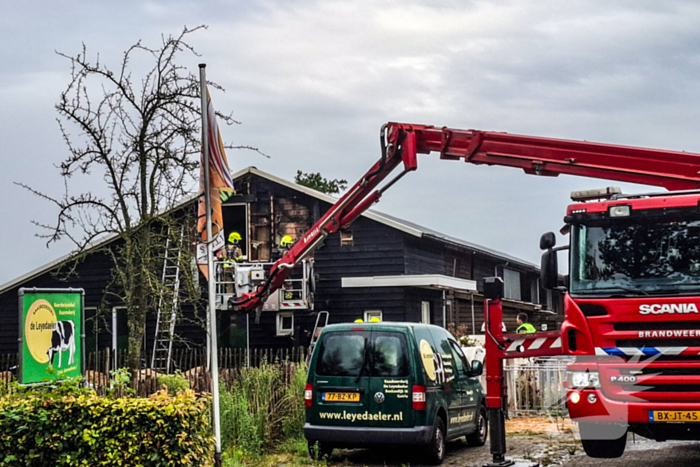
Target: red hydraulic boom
{"type": "Point", "coordinates": [673, 170]}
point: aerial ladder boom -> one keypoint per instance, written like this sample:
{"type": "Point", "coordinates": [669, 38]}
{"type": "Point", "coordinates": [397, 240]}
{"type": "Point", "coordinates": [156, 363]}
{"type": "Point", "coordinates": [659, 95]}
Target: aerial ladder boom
{"type": "Point", "coordinates": [400, 143]}
{"type": "Point", "coordinates": [673, 170]}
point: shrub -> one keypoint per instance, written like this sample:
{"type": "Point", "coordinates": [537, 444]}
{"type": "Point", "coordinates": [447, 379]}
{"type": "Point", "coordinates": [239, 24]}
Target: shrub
{"type": "Point", "coordinates": [175, 382]}
{"type": "Point", "coordinates": [44, 427]}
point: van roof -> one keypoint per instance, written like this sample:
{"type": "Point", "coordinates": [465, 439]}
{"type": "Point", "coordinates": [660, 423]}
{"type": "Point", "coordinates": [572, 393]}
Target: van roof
{"type": "Point", "coordinates": [384, 325]}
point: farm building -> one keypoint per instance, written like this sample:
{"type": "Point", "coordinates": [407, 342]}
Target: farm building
{"type": "Point", "coordinates": [380, 267]}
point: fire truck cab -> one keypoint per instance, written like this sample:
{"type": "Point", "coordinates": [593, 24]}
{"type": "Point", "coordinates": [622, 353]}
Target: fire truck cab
{"type": "Point", "coordinates": [632, 316]}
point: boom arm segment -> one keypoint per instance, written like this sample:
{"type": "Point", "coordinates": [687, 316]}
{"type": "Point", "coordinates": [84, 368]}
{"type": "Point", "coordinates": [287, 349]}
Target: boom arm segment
{"type": "Point", "coordinates": [673, 170]}
{"type": "Point", "coordinates": [348, 208]}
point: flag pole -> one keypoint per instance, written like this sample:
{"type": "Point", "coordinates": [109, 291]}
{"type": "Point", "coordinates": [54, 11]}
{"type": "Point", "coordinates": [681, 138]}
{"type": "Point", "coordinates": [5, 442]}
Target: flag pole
{"type": "Point", "coordinates": [210, 265]}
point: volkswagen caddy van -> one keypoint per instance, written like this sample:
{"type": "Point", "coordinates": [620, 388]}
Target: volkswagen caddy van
{"type": "Point", "coordinates": [389, 383]}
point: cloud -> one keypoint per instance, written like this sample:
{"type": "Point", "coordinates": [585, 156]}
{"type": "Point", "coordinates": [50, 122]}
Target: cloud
{"type": "Point", "coordinates": [313, 81]}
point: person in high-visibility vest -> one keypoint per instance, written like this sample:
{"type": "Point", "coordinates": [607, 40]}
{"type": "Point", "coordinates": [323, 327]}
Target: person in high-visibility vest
{"type": "Point", "coordinates": [230, 254]}
{"type": "Point", "coordinates": [523, 326]}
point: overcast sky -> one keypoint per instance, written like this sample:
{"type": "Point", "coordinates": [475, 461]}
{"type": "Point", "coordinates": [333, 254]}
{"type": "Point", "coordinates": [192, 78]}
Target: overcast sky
{"type": "Point", "coordinates": [313, 82]}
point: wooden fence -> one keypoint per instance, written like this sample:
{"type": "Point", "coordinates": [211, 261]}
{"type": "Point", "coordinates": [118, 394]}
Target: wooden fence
{"type": "Point", "coordinates": [191, 363]}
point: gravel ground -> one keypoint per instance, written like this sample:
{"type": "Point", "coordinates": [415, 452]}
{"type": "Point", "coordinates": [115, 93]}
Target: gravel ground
{"type": "Point", "coordinates": [535, 440]}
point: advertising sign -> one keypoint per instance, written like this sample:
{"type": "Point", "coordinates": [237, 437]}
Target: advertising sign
{"type": "Point", "coordinates": [51, 334]}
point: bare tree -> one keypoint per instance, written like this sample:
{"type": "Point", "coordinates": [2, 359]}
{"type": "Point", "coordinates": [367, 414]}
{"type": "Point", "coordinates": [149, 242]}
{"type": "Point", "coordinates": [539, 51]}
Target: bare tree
{"type": "Point", "coordinates": [142, 135]}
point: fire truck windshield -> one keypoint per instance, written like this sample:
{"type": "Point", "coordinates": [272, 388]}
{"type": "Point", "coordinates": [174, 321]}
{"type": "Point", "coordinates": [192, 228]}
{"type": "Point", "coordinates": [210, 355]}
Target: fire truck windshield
{"type": "Point", "coordinates": [638, 255]}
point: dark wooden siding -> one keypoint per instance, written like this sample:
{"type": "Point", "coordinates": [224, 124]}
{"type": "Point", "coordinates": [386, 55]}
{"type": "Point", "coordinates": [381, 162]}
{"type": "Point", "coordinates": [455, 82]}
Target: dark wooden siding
{"type": "Point", "coordinates": [92, 274]}
{"type": "Point", "coordinates": [376, 250]}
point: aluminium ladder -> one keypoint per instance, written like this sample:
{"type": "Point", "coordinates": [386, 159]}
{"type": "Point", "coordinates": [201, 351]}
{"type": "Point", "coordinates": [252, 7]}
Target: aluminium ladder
{"type": "Point", "coordinates": [168, 303]}
{"type": "Point", "coordinates": [318, 327]}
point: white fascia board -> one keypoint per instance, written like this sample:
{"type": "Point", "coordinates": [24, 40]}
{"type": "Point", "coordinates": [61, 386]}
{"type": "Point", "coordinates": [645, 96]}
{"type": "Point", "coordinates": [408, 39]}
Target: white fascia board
{"type": "Point", "coordinates": [437, 281]}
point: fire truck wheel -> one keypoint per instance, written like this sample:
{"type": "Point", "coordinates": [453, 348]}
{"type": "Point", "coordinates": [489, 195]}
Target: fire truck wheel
{"type": "Point", "coordinates": [610, 446]}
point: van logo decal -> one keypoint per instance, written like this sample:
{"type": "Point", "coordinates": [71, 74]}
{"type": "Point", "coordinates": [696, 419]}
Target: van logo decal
{"type": "Point", "coordinates": [440, 376]}
{"type": "Point", "coordinates": [379, 398]}
{"type": "Point", "coordinates": [426, 355]}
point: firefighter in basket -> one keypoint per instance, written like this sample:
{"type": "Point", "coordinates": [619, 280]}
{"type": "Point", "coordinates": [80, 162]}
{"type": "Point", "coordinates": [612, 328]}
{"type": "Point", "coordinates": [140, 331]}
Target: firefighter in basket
{"type": "Point", "coordinates": [229, 255]}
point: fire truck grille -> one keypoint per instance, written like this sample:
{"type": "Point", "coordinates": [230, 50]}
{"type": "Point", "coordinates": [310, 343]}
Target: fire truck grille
{"type": "Point", "coordinates": [655, 380]}
{"type": "Point", "coordinates": [656, 325]}
{"type": "Point", "coordinates": [639, 343]}
{"type": "Point", "coordinates": [656, 371]}
{"type": "Point", "coordinates": [656, 388]}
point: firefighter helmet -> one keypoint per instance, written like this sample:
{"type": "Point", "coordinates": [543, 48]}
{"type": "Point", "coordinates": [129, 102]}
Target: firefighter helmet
{"type": "Point", "coordinates": [286, 241]}
{"type": "Point", "coordinates": [234, 237]}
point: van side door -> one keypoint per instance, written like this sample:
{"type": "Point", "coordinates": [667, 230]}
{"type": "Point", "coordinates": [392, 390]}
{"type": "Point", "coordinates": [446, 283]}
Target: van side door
{"type": "Point", "coordinates": [454, 385]}
{"type": "Point", "coordinates": [469, 387]}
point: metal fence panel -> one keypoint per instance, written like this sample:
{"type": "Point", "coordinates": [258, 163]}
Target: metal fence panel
{"type": "Point", "coordinates": [537, 386]}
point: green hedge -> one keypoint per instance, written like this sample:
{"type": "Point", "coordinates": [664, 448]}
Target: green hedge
{"type": "Point", "coordinates": [89, 430]}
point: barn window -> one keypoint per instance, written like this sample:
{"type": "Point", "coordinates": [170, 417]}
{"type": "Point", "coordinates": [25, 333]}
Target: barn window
{"type": "Point", "coordinates": [346, 238]}
{"type": "Point", "coordinates": [285, 323]}
{"type": "Point", "coordinates": [369, 314]}
{"type": "Point", "coordinates": [511, 280]}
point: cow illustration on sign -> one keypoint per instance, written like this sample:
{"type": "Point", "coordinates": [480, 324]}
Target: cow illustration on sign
{"type": "Point", "coordinates": [62, 338]}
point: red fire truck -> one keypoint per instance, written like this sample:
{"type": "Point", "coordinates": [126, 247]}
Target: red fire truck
{"type": "Point", "coordinates": [631, 301]}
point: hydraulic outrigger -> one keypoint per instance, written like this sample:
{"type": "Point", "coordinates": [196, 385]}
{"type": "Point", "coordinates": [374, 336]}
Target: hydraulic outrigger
{"type": "Point", "coordinates": [401, 143]}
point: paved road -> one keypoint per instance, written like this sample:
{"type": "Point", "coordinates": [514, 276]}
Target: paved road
{"type": "Point", "coordinates": [458, 454]}
{"type": "Point", "coordinates": [545, 450]}
{"type": "Point", "coordinates": [645, 453]}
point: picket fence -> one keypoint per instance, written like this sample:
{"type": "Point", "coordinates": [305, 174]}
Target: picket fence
{"type": "Point", "coordinates": [191, 363]}
{"type": "Point", "coordinates": [532, 387]}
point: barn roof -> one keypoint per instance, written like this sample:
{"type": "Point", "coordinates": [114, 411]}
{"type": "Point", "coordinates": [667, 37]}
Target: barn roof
{"type": "Point", "coordinates": [386, 219]}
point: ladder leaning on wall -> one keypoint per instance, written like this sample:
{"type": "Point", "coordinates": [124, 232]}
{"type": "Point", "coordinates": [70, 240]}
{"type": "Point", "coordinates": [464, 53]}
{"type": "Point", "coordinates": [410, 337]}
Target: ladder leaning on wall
{"type": "Point", "coordinates": [168, 302]}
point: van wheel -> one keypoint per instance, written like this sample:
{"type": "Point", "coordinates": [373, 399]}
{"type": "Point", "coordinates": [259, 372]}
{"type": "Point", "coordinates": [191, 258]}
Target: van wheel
{"type": "Point", "coordinates": [319, 451]}
{"type": "Point", "coordinates": [611, 446]}
{"type": "Point", "coordinates": [434, 452]}
{"type": "Point", "coordinates": [478, 438]}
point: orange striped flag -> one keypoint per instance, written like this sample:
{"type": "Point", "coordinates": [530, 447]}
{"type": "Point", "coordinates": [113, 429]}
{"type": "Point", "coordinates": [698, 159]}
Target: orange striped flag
{"type": "Point", "coordinates": [219, 179]}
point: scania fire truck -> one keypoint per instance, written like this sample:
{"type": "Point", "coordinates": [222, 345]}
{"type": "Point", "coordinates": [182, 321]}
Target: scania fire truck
{"type": "Point", "coordinates": [631, 295]}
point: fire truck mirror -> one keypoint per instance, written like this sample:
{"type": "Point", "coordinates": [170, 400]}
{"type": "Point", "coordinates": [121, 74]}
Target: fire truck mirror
{"type": "Point", "coordinates": [549, 272]}
{"type": "Point", "coordinates": [548, 241]}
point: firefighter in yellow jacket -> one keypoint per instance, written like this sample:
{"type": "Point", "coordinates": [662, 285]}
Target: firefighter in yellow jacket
{"type": "Point", "coordinates": [230, 255]}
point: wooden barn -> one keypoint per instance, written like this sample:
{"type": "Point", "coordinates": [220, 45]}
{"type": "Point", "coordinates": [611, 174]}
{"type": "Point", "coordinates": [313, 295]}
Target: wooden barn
{"type": "Point", "coordinates": [381, 267]}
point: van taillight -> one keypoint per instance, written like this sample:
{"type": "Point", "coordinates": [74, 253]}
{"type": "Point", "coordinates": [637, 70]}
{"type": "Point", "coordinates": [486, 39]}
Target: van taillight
{"type": "Point", "coordinates": [418, 397]}
{"type": "Point", "coordinates": [309, 395]}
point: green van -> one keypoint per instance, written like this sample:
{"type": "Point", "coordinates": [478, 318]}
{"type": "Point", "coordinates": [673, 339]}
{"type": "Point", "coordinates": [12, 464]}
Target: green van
{"type": "Point", "coordinates": [392, 384]}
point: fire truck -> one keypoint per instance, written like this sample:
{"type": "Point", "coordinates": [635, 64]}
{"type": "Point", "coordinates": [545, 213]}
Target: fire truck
{"type": "Point", "coordinates": [631, 295]}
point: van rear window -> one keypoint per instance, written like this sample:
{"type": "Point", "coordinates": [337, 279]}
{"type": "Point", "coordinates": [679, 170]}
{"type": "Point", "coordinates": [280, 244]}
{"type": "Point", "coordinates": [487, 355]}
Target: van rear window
{"type": "Point", "coordinates": [389, 354]}
{"type": "Point", "coordinates": [342, 354]}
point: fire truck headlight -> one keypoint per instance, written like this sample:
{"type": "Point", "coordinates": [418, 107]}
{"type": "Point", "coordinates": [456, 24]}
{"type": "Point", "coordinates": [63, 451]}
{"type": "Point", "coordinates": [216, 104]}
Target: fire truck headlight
{"type": "Point", "coordinates": [575, 397]}
{"type": "Point", "coordinates": [584, 379]}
